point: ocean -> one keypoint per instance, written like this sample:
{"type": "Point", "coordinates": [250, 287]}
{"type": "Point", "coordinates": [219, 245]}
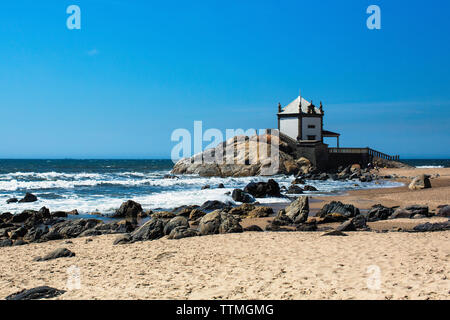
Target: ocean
{"type": "Point", "coordinates": [102, 185]}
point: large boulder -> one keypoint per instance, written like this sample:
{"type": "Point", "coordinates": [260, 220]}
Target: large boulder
{"type": "Point", "coordinates": [294, 189]}
{"type": "Point", "coordinates": [346, 210]}
{"type": "Point", "coordinates": [29, 198]}
{"type": "Point", "coordinates": [151, 230]}
{"type": "Point", "coordinates": [263, 189]}
{"type": "Point", "coordinates": [58, 253]}
{"type": "Point", "coordinates": [175, 222]}
{"type": "Point", "coordinates": [219, 222]}
{"type": "Point", "coordinates": [129, 210]}
{"type": "Point", "coordinates": [241, 196]}
{"type": "Point", "coordinates": [298, 210]}
{"type": "Point", "coordinates": [242, 156]}
{"type": "Point", "coordinates": [12, 200]}
{"type": "Point", "coordinates": [420, 182]}
{"type": "Point", "coordinates": [242, 210]}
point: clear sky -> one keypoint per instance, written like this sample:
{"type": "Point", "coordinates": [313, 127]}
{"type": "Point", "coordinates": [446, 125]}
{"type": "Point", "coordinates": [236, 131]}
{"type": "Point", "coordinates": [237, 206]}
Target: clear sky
{"type": "Point", "coordinates": [137, 70]}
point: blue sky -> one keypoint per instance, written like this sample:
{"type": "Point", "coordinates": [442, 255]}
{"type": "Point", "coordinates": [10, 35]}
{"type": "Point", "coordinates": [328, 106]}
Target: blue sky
{"type": "Point", "coordinates": [137, 70]}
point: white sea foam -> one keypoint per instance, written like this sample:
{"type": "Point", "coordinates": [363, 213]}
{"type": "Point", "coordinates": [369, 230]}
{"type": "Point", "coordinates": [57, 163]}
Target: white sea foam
{"type": "Point", "coordinates": [167, 194]}
{"type": "Point", "coordinates": [429, 167]}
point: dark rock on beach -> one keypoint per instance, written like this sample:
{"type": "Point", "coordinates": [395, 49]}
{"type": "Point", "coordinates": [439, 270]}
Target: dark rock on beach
{"type": "Point", "coordinates": [294, 189]}
{"type": "Point", "coordinates": [410, 212]}
{"type": "Point", "coordinates": [122, 239]}
{"type": "Point", "coordinates": [298, 210]}
{"type": "Point", "coordinates": [58, 253]}
{"type": "Point", "coordinates": [37, 293]}
{"type": "Point", "coordinates": [211, 205]}
{"type": "Point", "coordinates": [379, 212]}
{"type": "Point", "coordinates": [6, 243]}
{"type": "Point", "coordinates": [219, 222]}
{"type": "Point", "coordinates": [346, 226]}
{"type": "Point", "coordinates": [182, 232]}
{"type": "Point", "coordinates": [346, 210]}
{"type": "Point", "coordinates": [253, 228]}
{"type": "Point", "coordinates": [444, 211]}
{"type": "Point", "coordinates": [335, 233]}
{"type": "Point", "coordinates": [430, 227]}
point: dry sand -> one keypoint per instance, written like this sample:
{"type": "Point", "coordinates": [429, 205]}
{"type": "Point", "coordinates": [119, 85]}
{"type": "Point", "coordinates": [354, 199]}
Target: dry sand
{"type": "Point", "coordinates": [266, 265]}
{"type": "Point", "coordinates": [251, 265]}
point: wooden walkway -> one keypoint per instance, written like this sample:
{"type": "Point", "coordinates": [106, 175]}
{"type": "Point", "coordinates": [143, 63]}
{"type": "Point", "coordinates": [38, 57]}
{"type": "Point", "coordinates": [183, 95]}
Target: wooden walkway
{"type": "Point", "coordinates": [372, 153]}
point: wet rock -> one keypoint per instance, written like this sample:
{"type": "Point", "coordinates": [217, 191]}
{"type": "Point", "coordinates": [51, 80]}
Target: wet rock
{"type": "Point", "coordinates": [182, 232]}
{"type": "Point", "coordinates": [18, 233]}
{"type": "Point", "coordinates": [241, 196]}
{"type": "Point", "coordinates": [59, 214]}
{"type": "Point", "coordinates": [298, 180]}
{"type": "Point", "coordinates": [58, 253]}
{"type": "Point", "coordinates": [29, 198]}
{"type": "Point", "coordinates": [253, 228]}
{"type": "Point", "coordinates": [122, 239]}
{"type": "Point", "coordinates": [309, 188]}
{"type": "Point", "coordinates": [211, 205]}
{"type": "Point", "coordinates": [220, 186]}
{"type": "Point", "coordinates": [151, 230]}
{"type": "Point", "coordinates": [431, 227]}
{"type": "Point", "coordinates": [19, 242]}
{"type": "Point", "coordinates": [37, 293]}
{"type": "Point", "coordinates": [128, 210]}
{"type": "Point", "coordinates": [23, 216]}
{"type": "Point", "coordinates": [346, 210]}
{"type": "Point", "coordinates": [420, 182]}
{"type": "Point", "coordinates": [12, 200]}
{"type": "Point", "coordinates": [175, 222]}
{"type": "Point", "coordinates": [6, 217]}
{"type": "Point", "coordinates": [207, 186]}
{"type": "Point", "coordinates": [263, 189]}
{"type": "Point", "coordinates": [298, 210]}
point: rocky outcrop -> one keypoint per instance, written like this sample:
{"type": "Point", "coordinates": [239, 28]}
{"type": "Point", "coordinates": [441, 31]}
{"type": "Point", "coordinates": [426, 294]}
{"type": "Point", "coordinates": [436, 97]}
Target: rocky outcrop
{"type": "Point", "coordinates": [211, 205]}
{"type": "Point", "coordinates": [260, 212]}
{"type": "Point", "coordinates": [37, 293]}
{"type": "Point", "coordinates": [58, 253]}
{"type": "Point", "coordinates": [298, 210]}
{"type": "Point", "coordinates": [420, 182]}
{"type": "Point", "coordinates": [249, 156]}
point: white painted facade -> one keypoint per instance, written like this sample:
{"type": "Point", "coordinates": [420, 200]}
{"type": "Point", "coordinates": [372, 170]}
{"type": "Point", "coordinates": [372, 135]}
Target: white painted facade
{"type": "Point", "coordinates": [307, 130]}
{"type": "Point", "coordinates": [289, 126]}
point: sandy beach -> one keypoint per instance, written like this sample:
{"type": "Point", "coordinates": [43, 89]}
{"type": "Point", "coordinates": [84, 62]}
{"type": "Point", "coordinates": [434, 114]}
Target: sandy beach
{"type": "Point", "coordinates": [257, 265]}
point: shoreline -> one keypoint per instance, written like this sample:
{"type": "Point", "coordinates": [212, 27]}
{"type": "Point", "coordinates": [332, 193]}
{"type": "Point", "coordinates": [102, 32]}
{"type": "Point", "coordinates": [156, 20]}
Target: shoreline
{"type": "Point", "coordinates": [257, 265]}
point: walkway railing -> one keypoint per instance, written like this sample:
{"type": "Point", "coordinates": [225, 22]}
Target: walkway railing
{"type": "Point", "coordinates": [371, 152]}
